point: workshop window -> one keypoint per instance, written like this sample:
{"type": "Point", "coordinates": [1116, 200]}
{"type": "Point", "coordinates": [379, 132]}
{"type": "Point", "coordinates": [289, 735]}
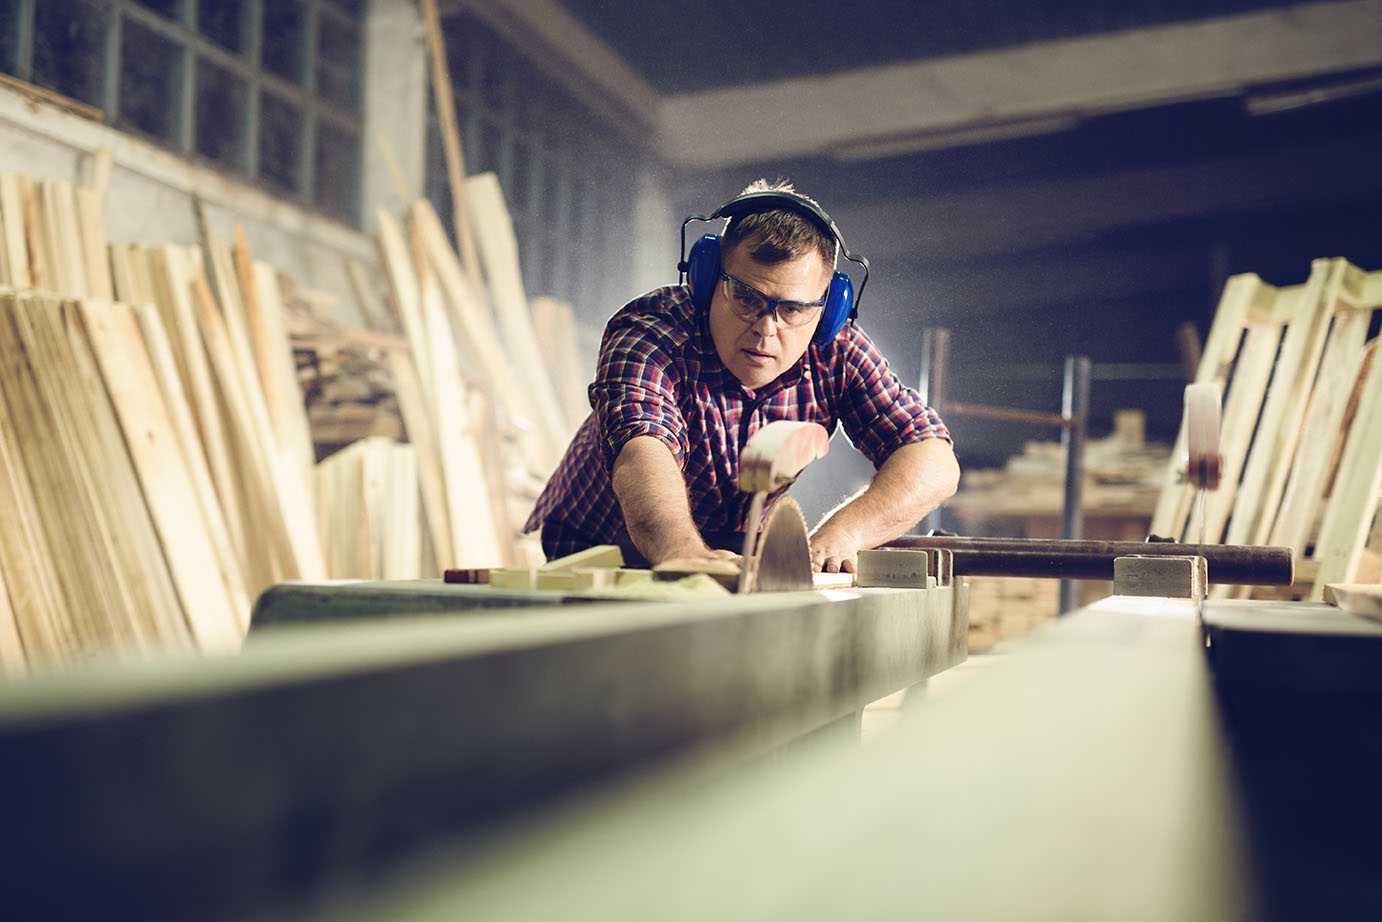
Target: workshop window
{"type": "Point", "coordinates": [268, 90]}
{"type": "Point", "coordinates": [224, 23]}
{"type": "Point", "coordinates": [221, 97]}
{"type": "Point", "coordinates": [67, 43]}
{"type": "Point", "coordinates": [561, 165]}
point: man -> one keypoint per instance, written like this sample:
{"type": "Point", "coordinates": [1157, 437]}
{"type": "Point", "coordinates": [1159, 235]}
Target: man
{"type": "Point", "coordinates": [687, 373]}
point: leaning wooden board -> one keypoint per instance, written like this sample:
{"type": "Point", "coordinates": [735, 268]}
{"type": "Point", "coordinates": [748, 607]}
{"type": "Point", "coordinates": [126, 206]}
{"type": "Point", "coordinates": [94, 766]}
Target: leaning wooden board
{"type": "Point", "coordinates": [499, 250]}
{"type": "Point", "coordinates": [209, 585]}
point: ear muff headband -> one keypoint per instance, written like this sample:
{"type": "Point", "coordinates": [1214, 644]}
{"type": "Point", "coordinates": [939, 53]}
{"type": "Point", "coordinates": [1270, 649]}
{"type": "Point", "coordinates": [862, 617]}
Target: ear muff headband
{"type": "Point", "coordinates": [702, 268]}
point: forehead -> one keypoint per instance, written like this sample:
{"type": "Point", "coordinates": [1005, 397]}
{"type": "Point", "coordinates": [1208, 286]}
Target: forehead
{"type": "Point", "coordinates": [740, 256]}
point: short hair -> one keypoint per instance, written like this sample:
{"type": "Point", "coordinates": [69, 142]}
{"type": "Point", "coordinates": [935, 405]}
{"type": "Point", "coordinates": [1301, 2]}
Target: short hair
{"type": "Point", "coordinates": [778, 234]}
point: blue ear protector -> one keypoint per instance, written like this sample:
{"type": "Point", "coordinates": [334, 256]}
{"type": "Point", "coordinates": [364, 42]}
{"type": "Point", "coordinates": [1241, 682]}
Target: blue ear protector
{"type": "Point", "coordinates": [702, 268]}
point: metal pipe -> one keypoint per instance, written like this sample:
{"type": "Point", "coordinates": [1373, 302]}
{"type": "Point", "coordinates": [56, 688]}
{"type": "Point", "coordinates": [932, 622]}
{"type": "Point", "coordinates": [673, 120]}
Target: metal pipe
{"type": "Point", "coordinates": [1075, 412]}
{"type": "Point", "coordinates": [1056, 559]}
{"type": "Point", "coordinates": [1005, 414]}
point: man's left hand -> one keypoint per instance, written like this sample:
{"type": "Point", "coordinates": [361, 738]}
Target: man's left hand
{"type": "Point", "coordinates": [834, 551]}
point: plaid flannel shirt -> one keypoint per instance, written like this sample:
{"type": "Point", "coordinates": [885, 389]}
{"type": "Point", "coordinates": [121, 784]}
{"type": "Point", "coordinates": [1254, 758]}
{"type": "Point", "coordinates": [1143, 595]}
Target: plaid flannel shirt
{"type": "Point", "coordinates": [659, 374]}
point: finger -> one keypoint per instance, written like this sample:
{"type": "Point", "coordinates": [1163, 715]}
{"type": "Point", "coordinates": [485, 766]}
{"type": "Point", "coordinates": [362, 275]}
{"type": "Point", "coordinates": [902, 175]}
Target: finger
{"type": "Point", "coordinates": [849, 565]}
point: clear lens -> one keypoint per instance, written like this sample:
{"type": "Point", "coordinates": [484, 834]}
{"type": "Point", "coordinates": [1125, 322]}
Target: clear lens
{"type": "Point", "coordinates": [749, 305]}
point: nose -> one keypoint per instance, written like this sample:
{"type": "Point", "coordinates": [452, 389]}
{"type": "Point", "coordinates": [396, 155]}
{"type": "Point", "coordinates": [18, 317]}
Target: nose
{"type": "Point", "coordinates": [767, 321]}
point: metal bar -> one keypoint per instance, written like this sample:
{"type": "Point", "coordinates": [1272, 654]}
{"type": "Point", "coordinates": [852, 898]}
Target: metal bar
{"type": "Point", "coordinates": [1007, 414]}
{"type": "Point", "coordinates": [1074, 414]}
{"type": "Point", "coordinates": [935, 348]}
{"type": "Point", "coordinates": [1051, 558]}
{"type": "Point", "coordinates": [24, 40]}
{"type": "Point", "coordinates": [254, 37]}
{"type": "Point", "coordinates": [110, 77]}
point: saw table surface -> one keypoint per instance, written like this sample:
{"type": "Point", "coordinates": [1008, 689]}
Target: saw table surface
{"type": "Point", "coordinates": [246, 785]}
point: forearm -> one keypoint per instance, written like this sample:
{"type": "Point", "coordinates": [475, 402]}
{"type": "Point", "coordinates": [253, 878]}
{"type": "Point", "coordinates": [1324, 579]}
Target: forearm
{"type": "Point", "coordinates": [651, 490]}
{"type": "Point", "coordinates": [915, 479]}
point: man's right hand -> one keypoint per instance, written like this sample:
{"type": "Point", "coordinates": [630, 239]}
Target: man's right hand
{"type": "Point", "coordinates": [652, 496]}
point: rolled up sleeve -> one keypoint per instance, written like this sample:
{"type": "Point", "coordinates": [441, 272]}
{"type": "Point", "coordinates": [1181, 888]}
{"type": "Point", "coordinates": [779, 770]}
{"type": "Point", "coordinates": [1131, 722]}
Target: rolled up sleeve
{"type": "Point", "coordinates": [635, 393]}
{"type": "Point", "coordinates": [880, 413]}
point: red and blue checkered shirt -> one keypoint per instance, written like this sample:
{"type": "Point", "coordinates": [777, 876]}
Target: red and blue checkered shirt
{"type": "Point", "coordinates": [659, 374]}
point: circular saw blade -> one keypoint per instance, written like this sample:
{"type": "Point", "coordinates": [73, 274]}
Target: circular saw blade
{"type": "Point", "coordinates": [782, 560]}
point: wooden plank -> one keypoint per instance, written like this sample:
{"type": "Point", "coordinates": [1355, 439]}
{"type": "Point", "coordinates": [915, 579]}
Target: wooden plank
{"type": "Point", "coordinates": [273, 358]}
{"type": "Point", "coordinates": [210, 587]}
{"type": "Point", "coordinates": [13, 662]}
{"type": "Point", "coordinates": [1225, 336]}
{"type": "Point", "coordinates": [1283, 411]}
{"type": "Point", "coordinates": [478, 533]}
{"type": "Point", "coordinates": [102, 167]}
{"type": "Point", "coordinates": [33, 593]}
{"type": "Point", "coordinates": [124, 283]}
{"type": "Point", "coordinates": [398, 267]}
{"type": "Point", "coordinates": [554, 323]}
{"type": "Point", "coordinates": [401, 553]}
{"type": "Point", "coordinates": [1320, 436]}
{"type": "Point", "coordinates": [418, 422]}
{"type": "Point", "coordinates": [168, 272]}
{"type": "Point", "coordinates": [475, 330]}
{"type": "Point", "coordinates": [91, 222]}
{"type": "Point", "coordinates": [41, 273]}
{"type": "Point", "coordinates": [450, 139]}
{"type": "Point", "coordinates": [1353, 499]}
{"type": "Point", "coordinates": [65, 228]}
{"type": "Point", "coordinates": [1242, 404]}
{"type": "Point", "coordinates": [372, 311]}
{"type": "Point", "coordinates": [607, 556]}
{"type": "Point", "coordinates": [282, 504]}
{"type": "Point", "coordinates": [12, 243]}
{"type": "Point", "coordinates": [143, 569]}
{"type": "Point", "coordinates": [81, 566]}
{"type": "Point", "coordinates": [499, 249]}
{"type": "Point", "coordinates": [226, 543]}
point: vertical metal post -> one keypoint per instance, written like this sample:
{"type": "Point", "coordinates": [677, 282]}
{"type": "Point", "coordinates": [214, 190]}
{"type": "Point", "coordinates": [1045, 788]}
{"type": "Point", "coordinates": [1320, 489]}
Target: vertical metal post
{"type": "Point", "coordinates": [935, 366]}
{"type": "Point", "coordinates": [1075, 412]}
{"type": "Point", "coordinates": [254, 53]}
{"type": "Point", "coordinates": [23, 24]}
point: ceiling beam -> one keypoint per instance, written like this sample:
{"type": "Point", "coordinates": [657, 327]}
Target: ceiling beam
{"type": "Point", "coordinates": [1042, 87]}
{"type": "Point", "coordinates": [571, 54]}
{"type": "Point", "coordinates": [1028, 216]}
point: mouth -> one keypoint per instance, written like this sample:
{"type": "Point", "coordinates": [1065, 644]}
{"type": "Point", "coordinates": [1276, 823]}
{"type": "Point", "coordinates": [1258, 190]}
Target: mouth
{"type": "Point", "coordinates": [756, 357]}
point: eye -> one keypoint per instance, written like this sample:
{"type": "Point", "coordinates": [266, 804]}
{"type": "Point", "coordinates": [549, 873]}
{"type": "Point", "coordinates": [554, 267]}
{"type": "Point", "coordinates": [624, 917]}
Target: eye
{"type": "Point", "coordinates": [789, 311]}
{"type": "Point", "coordinates": [749, 298]}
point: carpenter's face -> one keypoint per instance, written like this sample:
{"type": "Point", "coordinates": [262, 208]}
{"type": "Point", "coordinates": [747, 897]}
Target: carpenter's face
{"type": "Point", "coordinates": [757, 349]}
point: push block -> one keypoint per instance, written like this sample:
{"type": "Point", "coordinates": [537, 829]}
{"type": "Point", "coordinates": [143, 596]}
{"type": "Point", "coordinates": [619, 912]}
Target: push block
{"type": "Point", "coordinates": [896, 568]}
{"type": "Point", "coordinates": [1168, 577]}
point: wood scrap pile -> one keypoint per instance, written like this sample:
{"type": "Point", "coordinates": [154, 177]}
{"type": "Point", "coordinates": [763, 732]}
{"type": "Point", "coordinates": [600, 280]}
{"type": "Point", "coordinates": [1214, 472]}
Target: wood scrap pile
{"type": "Point", "coordinates": [344, 373]}
{"type": "Point", "coordinates": [1123, 474]}
{"type": "Point", "coordinates": [1299, 436]}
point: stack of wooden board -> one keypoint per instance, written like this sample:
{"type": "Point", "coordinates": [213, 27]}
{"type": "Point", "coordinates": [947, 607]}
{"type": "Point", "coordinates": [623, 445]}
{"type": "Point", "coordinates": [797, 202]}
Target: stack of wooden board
{"type": "Point", "coordinates": [1123, 474]}
{"type": "Point", "coordinates": [367, 498]}
{"type": "Point", "coordinates": [473, 382]}
{"type": "Point", "coordinates": [1301, 446]}
{"type": "Point", "coordinates": [345, 377]}
{"type": "Point", "coordinates": [155, 446]}
{"type": "Point", "coordinates": [157, 462]}
{"type": "Point", "coordinates": [1007, 607]}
